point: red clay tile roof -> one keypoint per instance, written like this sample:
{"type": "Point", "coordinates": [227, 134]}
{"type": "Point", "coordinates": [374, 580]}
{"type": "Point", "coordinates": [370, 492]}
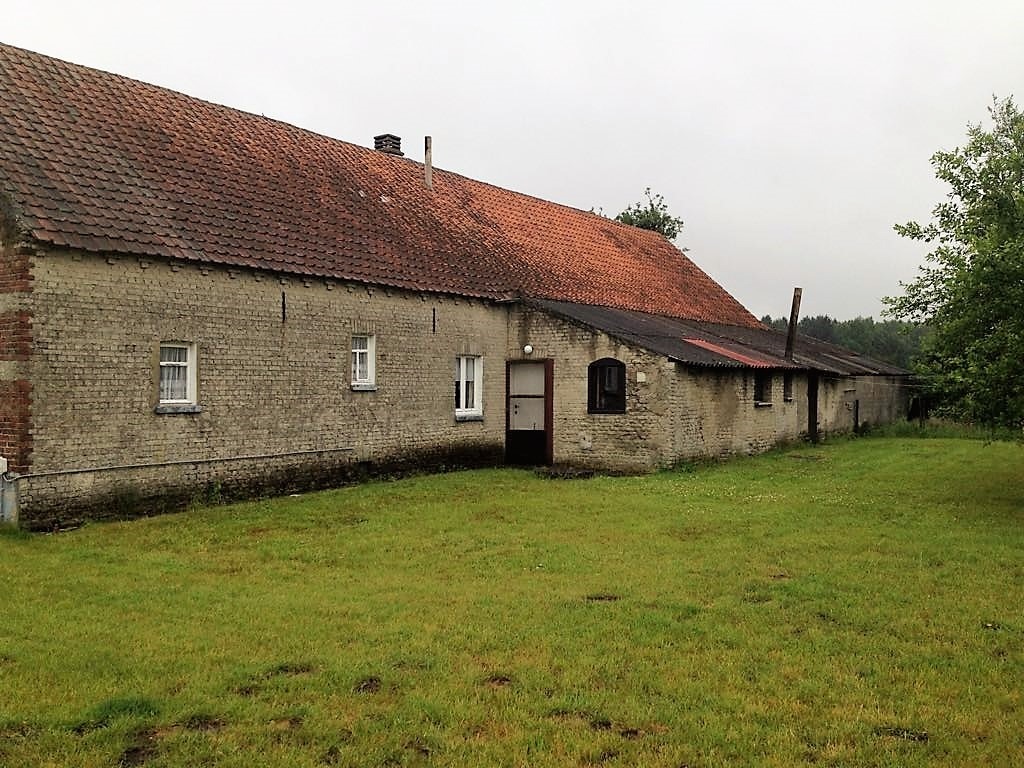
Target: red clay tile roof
{"type": "Point", "coordinates": [103, 163]}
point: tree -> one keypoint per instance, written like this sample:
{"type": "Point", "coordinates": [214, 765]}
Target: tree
{"type": "Point", "coordinates": [652, 215]}
{"type": "Point", "coordinates": [971, 289]}
{"type": "Point", "coordinates": [891, 341]}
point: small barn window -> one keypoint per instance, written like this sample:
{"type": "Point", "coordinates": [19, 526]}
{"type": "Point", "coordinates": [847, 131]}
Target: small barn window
{"type": "Point", "coordinates": [787, 386]}
{"type": "Point", "coordinates": [606, 381]}
{"type": "Point", "coordinates": [177, 373]}
{"type": "Point", "coordinates": [176, 380]}
{"type": "Point", "coordinates": [364, 374]}
{"type": "Point", "coordinates": [469, 374]}
{"type": "Point", "coordinates": [762, 388]}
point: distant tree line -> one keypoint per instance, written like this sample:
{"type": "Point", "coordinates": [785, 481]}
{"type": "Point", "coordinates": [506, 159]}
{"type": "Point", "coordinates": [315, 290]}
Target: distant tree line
{"type": "Point", "coordinates": [890, 341]}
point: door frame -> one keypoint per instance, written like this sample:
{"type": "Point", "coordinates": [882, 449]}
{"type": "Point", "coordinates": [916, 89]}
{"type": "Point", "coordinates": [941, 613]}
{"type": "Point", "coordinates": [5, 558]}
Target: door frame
{"type": "Point", "coordinates": [549, 404]}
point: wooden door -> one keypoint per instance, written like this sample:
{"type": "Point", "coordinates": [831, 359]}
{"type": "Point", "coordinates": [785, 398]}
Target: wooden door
{"type": "Point", "coordinates": [528, 428]}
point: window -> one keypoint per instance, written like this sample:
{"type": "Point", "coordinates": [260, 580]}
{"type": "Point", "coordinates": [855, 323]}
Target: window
{"type": "Point", "coordinates": [787, 387]}
{"type": "Point", "coordinates": [177, 385]}
{"type": "Point", "coordinates": [364, 373]}
{"type": "Point", "coordinates": [469, 377]}
{"type": "Point", "coordinates": [762, 388]}
{"type": "Point", "coordinates": [606, 386]}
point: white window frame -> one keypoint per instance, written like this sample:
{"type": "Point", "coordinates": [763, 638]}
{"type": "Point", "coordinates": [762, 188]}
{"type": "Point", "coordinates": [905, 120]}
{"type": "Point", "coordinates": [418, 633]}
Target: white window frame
{"type": "Point", "coordinates": [189, 364]}
{"type": "Point", "coordinates": [369, 382]}
{"type": "Point", "coordinates": [476, 409]}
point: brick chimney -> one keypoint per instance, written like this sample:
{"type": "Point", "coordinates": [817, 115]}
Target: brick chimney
{"type": "Point", "coordinates": [389, 144]}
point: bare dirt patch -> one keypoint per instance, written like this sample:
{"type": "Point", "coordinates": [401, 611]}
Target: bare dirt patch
{"type": "Point", "coordinates": [369, 684]}
{"type": "Point", "coordinates": [203, 722]}
{"type": "Point", "coordinates": [142, 749]}
{"type": "Point", "coordinates": [254, 683]}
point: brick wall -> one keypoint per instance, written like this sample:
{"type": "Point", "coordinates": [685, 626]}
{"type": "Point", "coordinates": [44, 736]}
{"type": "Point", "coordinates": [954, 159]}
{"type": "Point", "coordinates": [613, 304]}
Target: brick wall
{"type": "Point", "coordinates": [269, 382]}
{"type": "Point", "coordinates": [714, 412]}
{"type": "Point", "coordinates": [676, 412]}
{"type": "Point", "coordinates": [15, 350]}
{"type": "Point", "coordinates": [673, 412]}
{"type": "Point", "coordinates": [277, 410]}
{"type": "Point", "coordinates": [631, 441]}
{"type": "Point", "coordinates": [15, 335]}
{"type": "Point", "coordinates": [16, 423]}
{"type": "Point", "coordinates": [873, 399]}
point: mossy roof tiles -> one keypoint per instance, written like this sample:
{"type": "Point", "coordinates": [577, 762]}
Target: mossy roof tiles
{"type": "Point", "coordinates": [100, 162]}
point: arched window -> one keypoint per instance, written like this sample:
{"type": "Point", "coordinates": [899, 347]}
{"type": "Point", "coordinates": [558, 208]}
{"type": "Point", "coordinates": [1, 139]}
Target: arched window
{"type": "Point", "coordinates": [606, 386]}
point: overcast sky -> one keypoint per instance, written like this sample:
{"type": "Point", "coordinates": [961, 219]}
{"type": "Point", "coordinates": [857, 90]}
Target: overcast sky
{"type": "Point", "coordinates": [789, 136]}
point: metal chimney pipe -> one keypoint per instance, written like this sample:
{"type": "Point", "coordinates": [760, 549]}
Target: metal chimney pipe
{"type": "Point", "coordinates": [428, 163]}
{"type": "Point", "coordinates": [794, 316]}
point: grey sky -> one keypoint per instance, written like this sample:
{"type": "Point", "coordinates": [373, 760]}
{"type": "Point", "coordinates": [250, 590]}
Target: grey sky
{"type": "Point", "coordinates": [789, 136]}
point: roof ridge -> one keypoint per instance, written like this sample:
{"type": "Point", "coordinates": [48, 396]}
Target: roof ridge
{"type": "Point", "coordinates": [100, 161]}
{"type": "Point", "coordinates": [392, 158]}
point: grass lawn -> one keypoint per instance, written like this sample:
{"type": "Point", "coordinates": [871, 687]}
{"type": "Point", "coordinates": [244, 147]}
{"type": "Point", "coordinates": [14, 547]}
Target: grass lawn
{"type": "Point", "coordinates": [857, 603]}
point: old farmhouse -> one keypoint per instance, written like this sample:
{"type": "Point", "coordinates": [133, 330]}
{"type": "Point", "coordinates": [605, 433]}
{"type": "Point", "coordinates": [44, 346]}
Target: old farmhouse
{"type": "Point", "coordinates": [196, 298]}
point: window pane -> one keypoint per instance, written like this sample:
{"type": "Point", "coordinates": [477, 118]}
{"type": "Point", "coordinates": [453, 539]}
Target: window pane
{"type": "Point", "coordinates": [173, 355]}
{"type": "Point", "coordinates": [467, 376]}
{"type": "Point", "coordinates": [173, 382]}
{"type": "Point", "coordinates": [606, 381]}
{"type": "Point", "coordinates": [359, 342]}
{"type": "Point", "coordinates": [611, 380]}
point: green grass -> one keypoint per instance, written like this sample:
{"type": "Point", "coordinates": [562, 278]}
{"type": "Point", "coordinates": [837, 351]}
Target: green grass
{"type": "Point", "coordinates": [857, 603]}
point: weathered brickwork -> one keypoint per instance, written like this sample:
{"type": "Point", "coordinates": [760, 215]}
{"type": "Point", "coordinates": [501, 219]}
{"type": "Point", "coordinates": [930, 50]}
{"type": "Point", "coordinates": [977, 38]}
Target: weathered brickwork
{"type": "Point", "coordinates": [676, 412]}
{"type": "Point", "coordinates": [16, 423]}
{"type": "Point", "coordinates": [274, 361]}
{"type": "Point", "coordinates": [714, 413]}
{"type": "Point", "coordinates": [632, 441]}
{"type": "Point", "coordinates": [15, 350]}
{"type": "Point", "coordinates": [15, 276]}
{"type": "Point", "coordinates": [79, 374]}
{"type": "Point", "coordinates": [870, 400]}
{"type": "Point", "coordinates": [15, 335]}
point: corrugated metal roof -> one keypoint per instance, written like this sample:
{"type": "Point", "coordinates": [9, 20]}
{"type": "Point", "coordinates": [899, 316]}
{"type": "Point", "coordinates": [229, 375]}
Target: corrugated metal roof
{"type": "Point", "coordinates": [743, 357]}
{"type": "Point", "coordinates": [720, 345]}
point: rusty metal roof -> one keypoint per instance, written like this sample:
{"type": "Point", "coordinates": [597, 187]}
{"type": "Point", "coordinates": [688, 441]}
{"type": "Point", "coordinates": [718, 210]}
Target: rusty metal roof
{"type": "Point", "coordinates": [719, 345]}
{"type": "Point", "coordinates": [102, 163]}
